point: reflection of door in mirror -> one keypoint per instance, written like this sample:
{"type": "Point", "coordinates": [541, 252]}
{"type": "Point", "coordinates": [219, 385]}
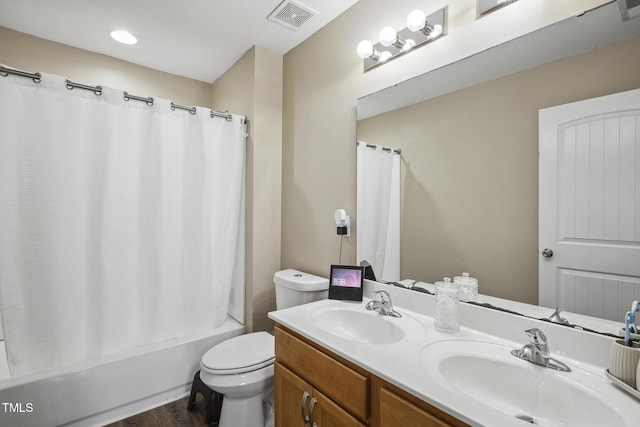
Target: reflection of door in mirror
{"type": "Point", "coordinates": [378, 210]}
{"type": "Point", "coordinates": [590, 205]}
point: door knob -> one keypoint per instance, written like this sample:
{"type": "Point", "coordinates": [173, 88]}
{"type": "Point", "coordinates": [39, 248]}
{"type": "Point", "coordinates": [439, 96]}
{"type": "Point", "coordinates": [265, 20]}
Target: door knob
{"type": "Point", "coordinates": [547, 253]}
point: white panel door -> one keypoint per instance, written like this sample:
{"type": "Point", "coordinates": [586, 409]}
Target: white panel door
{"type": "Point", "coordinates": [589, 205]}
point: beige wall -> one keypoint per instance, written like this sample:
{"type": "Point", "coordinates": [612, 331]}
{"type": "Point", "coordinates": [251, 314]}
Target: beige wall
{"type": "Point", "coordinates": [254, 85]}
{"type": "Point", "coordinates": [319, 133]}
{"type": "Point", "coordinates": [470, 166]}
{"type": "Point", "coordinates": [34, 54]}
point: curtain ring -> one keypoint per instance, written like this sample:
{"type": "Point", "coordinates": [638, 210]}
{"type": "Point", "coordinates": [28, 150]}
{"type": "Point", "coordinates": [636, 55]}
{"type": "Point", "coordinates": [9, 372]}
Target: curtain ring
{"type": "Point", "coordinates": [191, 110]}
{"type": "Point", "coordinates": [71, 85]}
{"type": "Point", "coordinates": [127, 97]}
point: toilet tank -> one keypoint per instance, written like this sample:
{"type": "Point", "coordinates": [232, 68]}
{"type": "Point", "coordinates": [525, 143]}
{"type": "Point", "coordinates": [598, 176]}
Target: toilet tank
{"type": "Point", "coordinates": [295, 287]}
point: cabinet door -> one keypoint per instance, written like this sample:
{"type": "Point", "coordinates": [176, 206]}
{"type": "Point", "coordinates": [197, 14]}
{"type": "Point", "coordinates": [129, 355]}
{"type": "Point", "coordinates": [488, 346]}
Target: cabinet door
{"type": "Point", "coordinates": [288, 391]}
{"type": "Point", "coordinates": [397, 412]}
{"type": "Point", "coordinates": [327, 414]}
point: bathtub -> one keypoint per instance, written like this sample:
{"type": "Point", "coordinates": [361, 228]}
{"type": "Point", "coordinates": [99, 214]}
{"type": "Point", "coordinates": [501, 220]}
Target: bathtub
{"type": "Point", "coordinates": [108, 390]}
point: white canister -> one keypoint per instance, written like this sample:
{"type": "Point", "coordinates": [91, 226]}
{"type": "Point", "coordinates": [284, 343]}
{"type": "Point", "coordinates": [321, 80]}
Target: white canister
{"type": "Point", "coordinates": [638, 377]}
{"type": "Point", "coordinates": [468, 287]}
{"type": "Point", "coordinates": [447, 316]}
{"type": "Point", "coordinates": [623, 362]}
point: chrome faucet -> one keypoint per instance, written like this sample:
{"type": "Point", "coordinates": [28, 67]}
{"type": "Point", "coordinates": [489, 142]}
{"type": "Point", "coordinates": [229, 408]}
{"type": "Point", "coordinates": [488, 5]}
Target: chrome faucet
{"type": "Point", "coordinates": [557, 318]}
{"type": "Point", "coordinates": [537, 351]}
{"type": "Point", "coordinates": [384, 306]}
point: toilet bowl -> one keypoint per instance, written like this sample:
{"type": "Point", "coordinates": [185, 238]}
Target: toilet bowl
{"type": "Point", "coordinates": [241, 368]}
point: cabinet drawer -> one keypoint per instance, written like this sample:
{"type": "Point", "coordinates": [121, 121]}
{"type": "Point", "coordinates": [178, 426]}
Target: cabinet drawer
{"type": "Point", "coordinates": [340, 383]}
{"type": "Point", "coordinates": [397, 412]}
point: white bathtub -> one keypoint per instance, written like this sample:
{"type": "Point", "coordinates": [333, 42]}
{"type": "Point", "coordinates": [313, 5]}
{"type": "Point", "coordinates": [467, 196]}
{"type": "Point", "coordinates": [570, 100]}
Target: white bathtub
{"type": "Point", "coordinates": [108, 390]}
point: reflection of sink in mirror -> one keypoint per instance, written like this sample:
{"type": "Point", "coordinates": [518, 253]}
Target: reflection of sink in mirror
{"type": "Point", "coordinates": [354, 323]}
{"type": "Point", "coordinates": [489, 375]}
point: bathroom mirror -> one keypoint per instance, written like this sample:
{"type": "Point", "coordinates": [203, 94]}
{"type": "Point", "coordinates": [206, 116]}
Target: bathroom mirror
{"type": "Point", "coordinates": [468, 136]}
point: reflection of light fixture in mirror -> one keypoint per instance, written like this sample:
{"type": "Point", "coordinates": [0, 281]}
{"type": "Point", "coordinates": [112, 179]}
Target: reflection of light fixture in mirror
{"type": "Point", "coordinates": [487, 6]}
{"type": "Point", "coordinates": [421, 29]}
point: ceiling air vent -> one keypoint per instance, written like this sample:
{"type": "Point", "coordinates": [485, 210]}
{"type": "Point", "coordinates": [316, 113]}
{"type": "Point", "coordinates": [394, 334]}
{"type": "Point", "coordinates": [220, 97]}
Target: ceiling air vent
{"type": "Point", "coordinates": [291, 14]}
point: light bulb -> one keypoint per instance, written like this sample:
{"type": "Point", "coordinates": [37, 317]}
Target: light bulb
{"type": "Point", "coordinates": [365, 49]}
{"type": "Point", "coordinates": [408, 44]}
{"type": "Point", "coordinates": [124, 37]}
{"type": "Point", "coordinates": [388, 36]}
{"type": "Point", "coordinates": [416, 20]}
{"type": "Point", "coordinates": [384, 55]}
{"type": "Point", "coordinates": [437, 31]}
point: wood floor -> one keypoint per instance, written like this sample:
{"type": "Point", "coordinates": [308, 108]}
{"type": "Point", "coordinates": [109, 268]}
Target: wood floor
{"type": "Point", "coordinates": [172, 414]}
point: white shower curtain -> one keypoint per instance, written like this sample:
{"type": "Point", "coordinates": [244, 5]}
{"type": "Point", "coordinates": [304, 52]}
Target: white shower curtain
{"type": "Point", "coordinates": [119, 221]}
{"type": "Point", "coordinates": [378, 210]}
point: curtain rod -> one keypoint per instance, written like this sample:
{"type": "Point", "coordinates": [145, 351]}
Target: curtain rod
{"type": "Point", "coordinates": [37, 78]}
{"type": "Point", "coordinates": [388, 150]}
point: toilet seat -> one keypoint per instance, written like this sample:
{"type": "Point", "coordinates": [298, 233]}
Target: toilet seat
{"type": "Point", "coordinates": [241, 354]}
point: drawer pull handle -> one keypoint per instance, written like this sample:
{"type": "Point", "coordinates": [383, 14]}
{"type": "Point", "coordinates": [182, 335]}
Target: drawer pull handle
{"type": "Point", "coordinates": [305, 396]}
{"type": "Point", "coordinates": [311, 406]}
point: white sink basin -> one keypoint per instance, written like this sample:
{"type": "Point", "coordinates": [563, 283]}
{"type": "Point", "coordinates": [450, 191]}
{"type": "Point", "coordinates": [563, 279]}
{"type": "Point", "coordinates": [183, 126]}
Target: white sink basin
{"type": "Point", "coordinates": [487, 374]}
{"type": "Point", "coordinates": [354, 323]}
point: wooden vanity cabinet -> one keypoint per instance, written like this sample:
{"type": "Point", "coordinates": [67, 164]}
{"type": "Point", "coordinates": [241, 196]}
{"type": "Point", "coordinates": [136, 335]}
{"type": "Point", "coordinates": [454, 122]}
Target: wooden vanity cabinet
{"type": "Point", "coordinates": [343, 394]}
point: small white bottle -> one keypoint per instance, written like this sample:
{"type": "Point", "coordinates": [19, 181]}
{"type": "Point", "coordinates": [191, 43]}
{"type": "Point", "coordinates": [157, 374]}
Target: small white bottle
{"type": "Point", "coordinates": [447, 316]}
{"type": "Point", "coordinates": [468, 287]}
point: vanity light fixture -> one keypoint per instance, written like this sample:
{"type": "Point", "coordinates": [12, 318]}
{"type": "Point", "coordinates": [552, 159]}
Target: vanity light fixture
{"type": "Point", "coordinates": [488, 6]}
{"type": "Point", "coordinates": [421, 29]}
{"type": "Point", "coordinates": [124, 37]}
{"type": "Point", "coordinates": [629, 9]}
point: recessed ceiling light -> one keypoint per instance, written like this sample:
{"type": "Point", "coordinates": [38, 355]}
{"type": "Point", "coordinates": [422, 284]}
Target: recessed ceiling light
{"type": "Point", "coordinates": [124, 37]}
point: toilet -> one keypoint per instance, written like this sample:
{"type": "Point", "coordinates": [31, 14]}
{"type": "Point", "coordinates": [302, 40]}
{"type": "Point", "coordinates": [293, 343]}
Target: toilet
{"type": "Point", "coordinates": [241, 368]}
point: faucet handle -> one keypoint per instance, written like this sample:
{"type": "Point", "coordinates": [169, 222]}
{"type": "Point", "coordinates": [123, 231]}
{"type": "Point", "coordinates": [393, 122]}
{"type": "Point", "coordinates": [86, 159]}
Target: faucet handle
{"type": "Point", "coordinates": [537, 337]}
{"type": "Point", "coordinates": [557, 318]}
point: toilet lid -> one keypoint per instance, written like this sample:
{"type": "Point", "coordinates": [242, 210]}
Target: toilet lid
{"type": "Point", "coordinates": [240, 354]}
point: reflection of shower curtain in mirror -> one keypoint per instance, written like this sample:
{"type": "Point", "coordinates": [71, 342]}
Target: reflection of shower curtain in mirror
{"type": "Point", "coordinates": [120, 222]}
{"type": "Point", "coordinates": [378, 210]}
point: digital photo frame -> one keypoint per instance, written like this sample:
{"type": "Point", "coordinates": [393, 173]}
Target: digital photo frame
{"type": "Point", "coordinates": [345, 282]}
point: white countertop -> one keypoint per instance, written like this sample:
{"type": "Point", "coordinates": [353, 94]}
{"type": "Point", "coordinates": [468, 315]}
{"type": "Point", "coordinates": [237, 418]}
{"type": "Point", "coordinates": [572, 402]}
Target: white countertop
{"type": "Point", "coordinates": [406, 364]}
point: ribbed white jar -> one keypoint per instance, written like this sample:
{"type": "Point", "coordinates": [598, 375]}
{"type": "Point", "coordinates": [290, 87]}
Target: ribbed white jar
{"type": "Point", "coordinates": [623, 362]}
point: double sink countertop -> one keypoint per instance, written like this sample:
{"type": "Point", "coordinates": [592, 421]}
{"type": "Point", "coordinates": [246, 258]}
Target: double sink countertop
{"type": "Point", "coordinates": [470, 374]}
